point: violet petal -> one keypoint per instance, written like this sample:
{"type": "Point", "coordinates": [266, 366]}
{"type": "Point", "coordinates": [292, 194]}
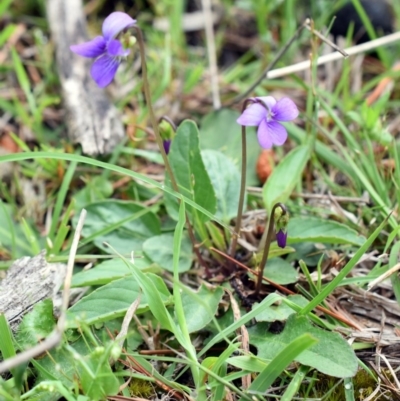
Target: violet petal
{"type": "Point", "coordinates": [253, 115]}
{"type": "Point", "coordinates": [269, 101]}
{"type": "Point", "coordinates": [115, 48]}
{"type": "Point", "coordinates": [281, 238]}
{"type": "Point", "coordinates": [115, 23]}
{"type": "Point", "coordinates": [277, 133]}
{"type": "Point", "coordinates": [264, 138]}
{"type": "Point", "coordinates": [93, 48]}
{"type": "Point", "coordinates": [103, 70]}
{"type": "Point", "coordinates": [285, 110]}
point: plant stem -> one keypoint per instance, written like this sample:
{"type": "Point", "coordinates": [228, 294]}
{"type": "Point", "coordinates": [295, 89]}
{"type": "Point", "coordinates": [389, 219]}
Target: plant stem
{"type": "Point", "coordinates": [236, 232]}
{"type": "Point", "coordinates": [238, 224]}
{"type": "Point", "coordinates": [159, 141]}
{"type": "Point", "coordinates": [169, 121]}
{"type": "Point", "coordinates": [270, 232]}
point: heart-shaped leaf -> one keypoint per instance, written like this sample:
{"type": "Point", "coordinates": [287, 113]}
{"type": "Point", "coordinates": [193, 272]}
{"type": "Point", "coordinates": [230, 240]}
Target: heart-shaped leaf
{"type": "Point", "coordinates": [122, 224]}
{"type": "Point", "coordinates": [282, 310]}
{"type": "Point", "coordinates": [280, 271]}
{"type": "Point", "coordinates": [113, 300]}
{"type": "Point", "coordinates": [317, 229]}
{"type": "Point", "coordinates": [332, 355]}
{"type": "Point", "coordinates": [200, 307]}
{"type": "Point", "coordinates": [160, 249]}
{"type": "Point", "coordinates": [189, 172]}
{"type": "Point", "coordinates": [107, 271]}
{"type": "Point", "coordinates": [285, 176]}
{"type": "Point", "coordinates": [225, 178]}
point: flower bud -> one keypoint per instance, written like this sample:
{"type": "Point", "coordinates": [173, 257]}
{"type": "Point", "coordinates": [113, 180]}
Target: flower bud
{"type": "Point", "coordinates": [167, 145]}
{"type": "Point", "coordinates": [281, 218]}
{"type": "Point", "coordinates": [167, 132]}
{"type": "Point", "coordinates": [128, 41]}
{"type": "Point", "coordinates": [281, 238]}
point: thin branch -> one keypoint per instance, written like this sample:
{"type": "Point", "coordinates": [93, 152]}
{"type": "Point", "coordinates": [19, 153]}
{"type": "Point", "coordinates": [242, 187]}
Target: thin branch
{"type": "Point", "coordinates": [305, 65]}
{"type": "Point", "coordinates": [384, 276]}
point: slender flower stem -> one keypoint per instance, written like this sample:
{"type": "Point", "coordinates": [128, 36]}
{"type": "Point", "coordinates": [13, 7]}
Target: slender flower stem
{"type": "Point", "coordinates": [236, 232]}
{"type": "Point", "coordinates": [159, 141]}
{"type": "Point", "coordinates": [169, 121]}
{"type": "Point", "coordinates": [270, 233]}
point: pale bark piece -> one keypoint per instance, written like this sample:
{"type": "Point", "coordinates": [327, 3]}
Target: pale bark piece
{"type": "Point", "coordinates": [91, 119]}
{"type": "Point", "coordinates": [29, 281]}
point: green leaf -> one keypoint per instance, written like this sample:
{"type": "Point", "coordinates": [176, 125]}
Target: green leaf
{"type": "Point", "coordinates": [36, 325]}
{"type": "Point", "coordinates": [124, 225]}
{"type": "Point", "coordinates": [332, 285]}
{"type": "Point", "coordinates": [281, 311]}
{"type": "Point", "coordinates": [113, 300]}
{"type": "Point", "coordinates": [189, 171]}
{"type": "Point", "coordinates": [394, 278]}
{"type": "Point", "coordinates": [160, 249]}
{"type": "Point", "coordinates": [6, 32]}
{"type": "Point", "coordinates": [5, 4]}
{"type": "Point", "coordinates": [286, 356]}
{"type": "Point", "coordinates": [247, 362]}
{"type": "Point", "coordinates": [317, 229]}
{"type": "Point", "coordinates": [96, 189]}
{"type": "Point", "coordinates": [106, 272]}
{"type": "Point", "coordinates": [60, 364]}
{"type": "Point", "coordinates": [222, 335]}
{"type": "Point", "coordinates": [11, 233]}
{"type": "Point", "coordinates": [225, 178]}
{"type": "Point", "coordinates": [280, 271]}
{"type": "Point", "coordinates": [180, 325]}
{"type": "Point", "coordinates": [153, 157]}
{"type": "Point", "coordinates": [285, 176]}
{"type": "Point", "coordinates": [220, 131]}
{"type": "Point", "coordinates": [96, 377]}
{"type": "Point", "coordinates": [7, 350]}
{"type": "Point", "coordinates": [332, 355]}
{"type": "Point", "coordinates": [201, 306]}
{"type": "Point", "coordinates": [23, 80]}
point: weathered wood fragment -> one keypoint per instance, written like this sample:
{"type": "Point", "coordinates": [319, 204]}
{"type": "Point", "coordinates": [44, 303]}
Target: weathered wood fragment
{"type": "Point", "coordinates": [29, 281]}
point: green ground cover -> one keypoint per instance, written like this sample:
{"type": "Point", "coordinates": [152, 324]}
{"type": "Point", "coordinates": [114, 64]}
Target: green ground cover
{"type": "Point", "coordinates": [167, 300]}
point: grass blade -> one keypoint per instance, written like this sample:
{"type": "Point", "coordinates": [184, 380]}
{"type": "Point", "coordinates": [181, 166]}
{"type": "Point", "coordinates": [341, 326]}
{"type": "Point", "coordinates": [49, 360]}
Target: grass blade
{"type": "Point", "coordinates": [344, 272]}
{"type": "Point", "coordinates": [265, 379]}
{"type": "Point", "coordinates": [107, 166]}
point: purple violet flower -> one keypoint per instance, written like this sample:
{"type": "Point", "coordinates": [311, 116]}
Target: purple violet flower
{"type": "Point", "coordinates": [266, 113]}
{"type": "Point", "coordinates": [107, 51]}
{"type": "Point", "coordinates": [281, 237]}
